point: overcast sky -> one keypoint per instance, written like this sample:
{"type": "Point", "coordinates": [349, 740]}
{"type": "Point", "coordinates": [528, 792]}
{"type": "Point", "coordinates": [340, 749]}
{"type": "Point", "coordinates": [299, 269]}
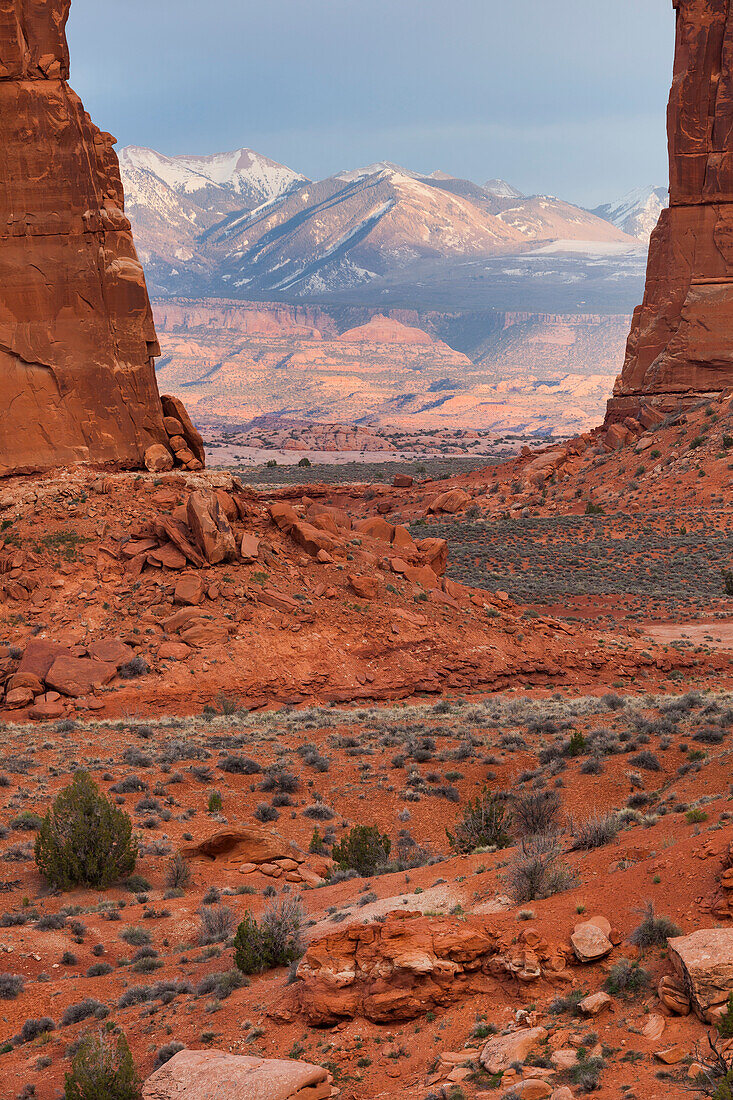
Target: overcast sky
{"type": "Point", "coordinates": [564, 97]}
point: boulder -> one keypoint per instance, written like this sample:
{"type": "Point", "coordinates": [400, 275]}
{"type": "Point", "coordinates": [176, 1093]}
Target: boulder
{"type": "Point", "coordinates": [375, 528]}
{"type": "Point", "coordinates": [158, 459]}
{"type": "Point", "coordinates": [533, 1089]}
{"type": "Point", "coordinates": [703, 962]}
{"type": "Point", "coordinates": [76, 676]}
{"type": "Point", "coordinates": [502, 1050]}
{"type": "Point", "coordinates": [111, 651]}
{"type": "Point", "coordinates": [17, 698]}
{"type": "Point", "coordinates": [39, 655]}
{"type": "Point", "coordinates": [435, 553]}
{"type": "Point", "coordinates": [451, 501]}
{"type": "Point", "coordinates": [312, 539]}
{"type": "Point", "coordinates": [590, 942]}
{"type": "Point", "coordinates": [196, 628]}
{"type": "Point", "coordinates": [654, 1027]}
{"type": "Point", "coordinates": [214, 1075]}
{"type": "Point", "coordinates": [174, 408]}
{"type": "Point", "coordinates": [210, 527]}
{"type": "Point", "coordinates": [673, 995]}
{"type": "Point", "coordinates": [283, 515]}
{"type": "Point", "coordinates": [366, 588]}
{"type": "Point", "coordinates": [402, 541]}
{"type": "Point", "coordinates": [249, 547]}
{"type": "Point", "coordinates": [595, 1003]}
{"type": "Point", "coordinates": [190, 590]}
{"type": "Point", "coordinates": [402, 481]}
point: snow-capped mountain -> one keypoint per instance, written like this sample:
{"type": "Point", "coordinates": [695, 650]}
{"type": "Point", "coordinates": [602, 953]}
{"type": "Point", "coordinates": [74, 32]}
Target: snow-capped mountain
{"type": "Point", "coordinates": [241, 225]}
{"type": "Point", "coordinates": [636, 213]}
{"type": "Point", "coordinates": [254, 179]}
{"type": "Point", "coordinates": [171, 201]}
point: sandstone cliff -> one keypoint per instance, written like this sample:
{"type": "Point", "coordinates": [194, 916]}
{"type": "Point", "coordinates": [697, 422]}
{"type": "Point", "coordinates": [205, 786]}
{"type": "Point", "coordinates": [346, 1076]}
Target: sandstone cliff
{"type": "Point", "coordinates": [77, 339]}
{"type": "Point", "coordinates": [682, 335]}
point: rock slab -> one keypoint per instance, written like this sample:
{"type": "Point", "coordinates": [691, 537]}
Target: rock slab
{"type": "Point", "coordinates": [214, 1075]}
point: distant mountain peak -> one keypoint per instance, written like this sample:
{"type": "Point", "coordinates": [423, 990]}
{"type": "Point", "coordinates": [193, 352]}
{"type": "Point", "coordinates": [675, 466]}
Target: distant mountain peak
{"type": "Point", "coordinates": [240, 172]}
{"type": "Point", "coordinates": [500, 189]}
{"type": "Point", "coordinates": [637, 212]}
{"type": "Point", "coordinates": [381, 167]}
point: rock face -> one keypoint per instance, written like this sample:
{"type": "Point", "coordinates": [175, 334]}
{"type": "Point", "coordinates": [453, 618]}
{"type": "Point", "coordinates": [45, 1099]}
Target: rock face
{"type": "Point", "coordinates": [214, 1075]}
{"type": "Point", "coordinates": [398, 969]}
{"type": "Point", "coordinates": [703, 962]}
{"type": "Point", "coordinates": [682, 335]}
{"type": "Point", "coordinates": [77, 339]}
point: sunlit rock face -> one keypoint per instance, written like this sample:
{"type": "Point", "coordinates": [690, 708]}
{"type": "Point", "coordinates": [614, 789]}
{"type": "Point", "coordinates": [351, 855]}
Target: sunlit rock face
{"type": "Point", "coordinates": [77, 339]}
{"type": "Point", "coordinates": [681, 339]}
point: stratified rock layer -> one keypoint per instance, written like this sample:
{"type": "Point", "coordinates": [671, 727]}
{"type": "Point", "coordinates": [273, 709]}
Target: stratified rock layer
{"type": "Point", "coordinates": [77, 339]}
{"type": "Point", "coordinates": [681, 338]}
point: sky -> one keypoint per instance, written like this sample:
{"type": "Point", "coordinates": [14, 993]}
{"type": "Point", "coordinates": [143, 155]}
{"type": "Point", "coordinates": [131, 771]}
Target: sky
{"type": "Point", "coordinates": [565, 97]}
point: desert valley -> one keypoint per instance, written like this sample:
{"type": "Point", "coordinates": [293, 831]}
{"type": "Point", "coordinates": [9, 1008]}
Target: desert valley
{"type": "Point", "coordinates": [366, 637]}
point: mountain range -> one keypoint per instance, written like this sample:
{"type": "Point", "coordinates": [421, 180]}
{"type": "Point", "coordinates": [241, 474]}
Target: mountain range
{"type": "Point", "coordinates": [274, 292]}
{"type": "Point", "coordinates": [242, 226]}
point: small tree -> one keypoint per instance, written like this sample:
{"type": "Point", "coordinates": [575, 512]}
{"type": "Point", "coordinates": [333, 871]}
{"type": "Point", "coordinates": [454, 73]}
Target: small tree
{"type": "Point", "coordinates": [316, 846]}
{"type": "Point", "coordinates": [363, 850]}
{"type": "Point", "coordinates": [725, 1023]}
{"type": "Point", "coordinates": [275, 941]}
{"type": "Point", "coordinates": [483, 825]}
{"type": "Point", "coordinates": [84, 839]}
{"type": "Point", "coordinates": [101, 1071]}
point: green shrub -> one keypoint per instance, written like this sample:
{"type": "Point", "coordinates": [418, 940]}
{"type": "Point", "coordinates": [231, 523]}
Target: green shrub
{"type": "Point", "coordinates": [725, 1023]}
{"type": "Point", "coordinates": [275, 941]}
{"type": "Point", "coordinates": [363, 850]}
{"type": "Point", "coordinates": [483, 825]}
{"type": "Point", "coordinates": [627, 978]}
{"type": "Point", "coordinates": [85, 840]}
{"type": "Point", "coordinates": [215, 803]}
{"type": "Point", "coordinates": [101, 1071]}
{"type": "Point", "coordinates": [577, 744]}
{"type": "Point", "coordinates": [316, 846]}
{"type": "Point", "coordinates": [653, 931]}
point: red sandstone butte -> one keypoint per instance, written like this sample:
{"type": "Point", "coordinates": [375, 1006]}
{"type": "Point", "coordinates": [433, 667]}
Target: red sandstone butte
{"type": "Point", "coordinates": [77, 339]}
{"type": "Point", "coordinates": [681, 338]}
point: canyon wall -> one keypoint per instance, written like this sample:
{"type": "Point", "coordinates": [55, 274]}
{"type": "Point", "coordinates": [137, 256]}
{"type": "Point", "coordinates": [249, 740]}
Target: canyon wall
{"type": "Point", "coordinates": [77, 339]}
{"type": "Point", "coordinates": [681, 339]}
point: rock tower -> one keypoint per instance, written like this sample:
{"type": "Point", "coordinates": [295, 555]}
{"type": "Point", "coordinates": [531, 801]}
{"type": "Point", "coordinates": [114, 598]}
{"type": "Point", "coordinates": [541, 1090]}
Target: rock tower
{"type": "Point", "coordinates": [77, 339]}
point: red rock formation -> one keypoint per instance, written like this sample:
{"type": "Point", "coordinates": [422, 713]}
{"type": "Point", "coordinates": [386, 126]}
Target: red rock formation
{"type": "Point", "coordinates": [77, 338]}
{"type": "Point", "coordinates": [385, 330]}
{"type": "Point", "coordinates": [409, 963]}
{"type": "Point", "coordinates": [682, 335]}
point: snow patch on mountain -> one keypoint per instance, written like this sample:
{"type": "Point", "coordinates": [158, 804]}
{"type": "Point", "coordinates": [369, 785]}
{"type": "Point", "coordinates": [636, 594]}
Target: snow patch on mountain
{"type": "Point", "coordinates": [500, 189]}
{"type": "Point", "coordinates": [637, 212]}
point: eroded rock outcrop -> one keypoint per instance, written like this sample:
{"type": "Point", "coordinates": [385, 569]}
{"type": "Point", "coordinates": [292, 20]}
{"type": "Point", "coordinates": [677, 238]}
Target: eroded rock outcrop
{"type": "Point", "coordinates": [682, 335]}
{"type": "Point", "coordinates": [398, 969]}
{"type": "Point", "coordinates": [77, 339]}
{"type": "Point", "coordinates": [703, 963]}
